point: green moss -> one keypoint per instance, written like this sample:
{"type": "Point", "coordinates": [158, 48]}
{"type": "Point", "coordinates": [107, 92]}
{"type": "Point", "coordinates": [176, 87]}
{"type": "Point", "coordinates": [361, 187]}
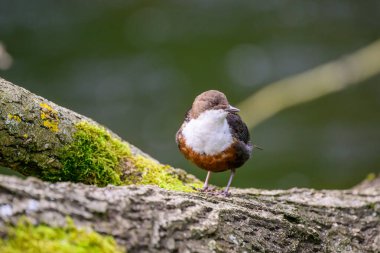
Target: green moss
{"type": "Point", "coordinates": [26, 238]}
{"type": "Point", "coordinates": [150, 172]}
{"type": "Point", "coordinates": [95, 157]}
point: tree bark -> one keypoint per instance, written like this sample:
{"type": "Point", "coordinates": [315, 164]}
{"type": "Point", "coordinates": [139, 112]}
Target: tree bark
{"type": "Point", "coordinates": [150, 219]}
{"type": "Point", "coordinates": [33, 132]}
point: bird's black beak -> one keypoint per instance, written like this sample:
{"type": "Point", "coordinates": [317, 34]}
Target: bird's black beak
{"type": "Point", "coordinates": [232, 109]}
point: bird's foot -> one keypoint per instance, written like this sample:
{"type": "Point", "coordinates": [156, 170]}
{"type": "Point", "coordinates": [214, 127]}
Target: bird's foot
{"type": "Point", "coordinates": [224, 193]}
{"type": "Point", "coordinates": [207, 189]}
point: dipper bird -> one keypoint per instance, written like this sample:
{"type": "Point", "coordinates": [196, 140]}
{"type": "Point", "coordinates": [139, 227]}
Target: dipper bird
{"type": "Point", "coordinates": [214, 137]}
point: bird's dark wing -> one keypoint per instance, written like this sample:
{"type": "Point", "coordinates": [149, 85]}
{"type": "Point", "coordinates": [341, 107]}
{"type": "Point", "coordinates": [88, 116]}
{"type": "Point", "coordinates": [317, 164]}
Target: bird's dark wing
{"type": "Point", "coordinates": [187, 116]}
{"type": "Point", "coordinates": [238, 128]}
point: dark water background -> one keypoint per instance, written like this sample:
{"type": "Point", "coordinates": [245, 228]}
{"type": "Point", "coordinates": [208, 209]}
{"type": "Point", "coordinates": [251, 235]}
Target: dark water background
{"type": "Point", "coordinates": [135, 66]}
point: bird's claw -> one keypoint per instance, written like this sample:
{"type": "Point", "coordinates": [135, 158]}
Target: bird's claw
{"type": "Point", "coordinates": [207, 189]}
{"type": "Point", "coordinates": [213, 191]}
{"type": "Point", "coordinates": [224, 193]}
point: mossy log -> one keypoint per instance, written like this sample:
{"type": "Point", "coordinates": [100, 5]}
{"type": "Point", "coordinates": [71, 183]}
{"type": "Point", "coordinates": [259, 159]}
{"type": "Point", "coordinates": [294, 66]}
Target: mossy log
{"type": "Point", "coordinates": [41, 139]}
{"type": "Point", "coordinates": [151, 219]}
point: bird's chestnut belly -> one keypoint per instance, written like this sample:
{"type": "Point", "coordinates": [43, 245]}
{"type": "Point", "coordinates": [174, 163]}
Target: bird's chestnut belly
{"type": "Point", "coordinates": [222, 161]}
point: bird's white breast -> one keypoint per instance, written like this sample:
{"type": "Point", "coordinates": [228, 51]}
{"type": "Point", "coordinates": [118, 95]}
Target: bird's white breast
{"type": "Point", "coordinates": [209, 133]}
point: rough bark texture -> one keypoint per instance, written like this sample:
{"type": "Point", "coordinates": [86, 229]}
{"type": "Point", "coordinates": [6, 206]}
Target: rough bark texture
{"type": "Point", "coordinates": [33, 132]}
{"type": "Point", "coordinates": [33, 129]}
{"type": "Point", "coordinates": [28, 140]}
{"type": "Point", "coordinates": [150, 219]}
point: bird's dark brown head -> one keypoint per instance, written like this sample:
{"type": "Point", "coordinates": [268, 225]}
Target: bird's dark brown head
{"type": "Point", "coordinates": [210, 100]}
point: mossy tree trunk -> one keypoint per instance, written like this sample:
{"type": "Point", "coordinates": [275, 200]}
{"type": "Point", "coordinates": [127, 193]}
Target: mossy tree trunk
{"type": "Point", "coordinates": [39, 138]}
{"type": "Point", "coordinates": [44, 140]}
{"type": "Point", "coordinates": [150, 219]}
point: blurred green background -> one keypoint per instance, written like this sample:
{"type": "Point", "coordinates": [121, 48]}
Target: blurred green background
{"type": "Point", "coordinates": [136, 66]}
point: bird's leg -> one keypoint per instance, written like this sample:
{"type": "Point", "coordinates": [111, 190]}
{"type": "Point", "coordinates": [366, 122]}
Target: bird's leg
{"type": "Point", "coordinates": [205, 185]}
{"type": "Point", "coordinates": [225, 191]}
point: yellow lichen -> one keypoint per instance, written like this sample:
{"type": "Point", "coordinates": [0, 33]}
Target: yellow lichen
{"type": "Point", "coordinates": [49, 117]}
{"type": "Point", "coordinates": [46, 106]}
{"type": "Point", "coordinates": [14, 118]}
{"type": "Point", "coordinates": [53, 126]}
{"type": "Point", "coordinates": [371, 176]}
